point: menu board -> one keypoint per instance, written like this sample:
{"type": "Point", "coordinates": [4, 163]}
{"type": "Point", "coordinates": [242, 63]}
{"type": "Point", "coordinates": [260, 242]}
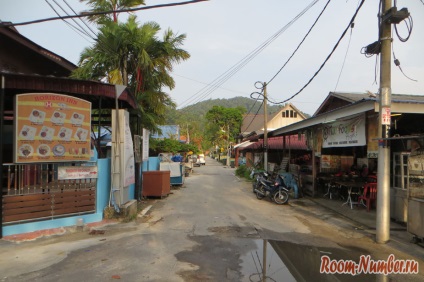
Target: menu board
{"type": "Point", "coordinates": [51, 128]}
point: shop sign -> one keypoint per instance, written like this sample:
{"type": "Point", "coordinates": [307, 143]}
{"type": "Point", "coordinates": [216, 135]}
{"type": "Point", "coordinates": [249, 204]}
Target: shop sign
{"type": "Point", "coordinates": [344, 133]}
{"type": "Point", "coordinates": [51, 128]}
{"type": "Point", "coordinates": [330, 161]}
{"type": "Point", "coordinates": [372, 154]}
{"type": "Point", "coordinates": [77, 172]}
{"type": "Point", "coordinates": [385, 116]}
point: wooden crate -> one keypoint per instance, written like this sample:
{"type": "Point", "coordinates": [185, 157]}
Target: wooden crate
{"type": "Point", "coordinates": [156, 183]}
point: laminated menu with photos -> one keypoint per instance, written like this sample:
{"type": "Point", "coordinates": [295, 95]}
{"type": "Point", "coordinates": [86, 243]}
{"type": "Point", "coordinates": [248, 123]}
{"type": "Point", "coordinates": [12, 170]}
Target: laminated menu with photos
{"type": "Point", "coordinates": [51, 128]}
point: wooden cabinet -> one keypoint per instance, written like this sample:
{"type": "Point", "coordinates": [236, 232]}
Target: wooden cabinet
{"type": "Point", "coordinates": [156, 183]}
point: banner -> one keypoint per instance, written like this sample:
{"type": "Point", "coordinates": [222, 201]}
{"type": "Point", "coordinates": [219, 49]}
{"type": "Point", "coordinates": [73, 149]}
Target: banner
{"type": "Point", "coordinates": [51, 128]}
{"type": "Point", "coordinates": [145, 152]}
{"type": "Point", "coordinates": [76, 172]}
{"type": "Point", "coordinates": [344, 133]}
{"type": "Point", "coordinates": [129, 170]}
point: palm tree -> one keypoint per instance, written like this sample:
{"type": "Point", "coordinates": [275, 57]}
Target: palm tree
{"type": "Point", "coordinates": [133, 55]}
{"type": "Point", "coordinates": [109, 5]}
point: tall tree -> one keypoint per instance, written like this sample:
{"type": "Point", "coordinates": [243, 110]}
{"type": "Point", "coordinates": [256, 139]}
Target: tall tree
{"type": "Point", "coordinates": [133, 55]}
{"type": "Point", "coordinates": [223, 124]}
{"type": "Point", "coordinates": [109, 5]}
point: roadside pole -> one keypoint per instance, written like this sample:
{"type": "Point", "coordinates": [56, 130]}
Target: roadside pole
{"type": "Point", "coordinates": [2, 94]}
{"type": "Point", "coordinates": [228, 145]}
{"type": "Point", "coordinates": [265, 130]}
{"type": "Point", "coordinates": [383, 186]}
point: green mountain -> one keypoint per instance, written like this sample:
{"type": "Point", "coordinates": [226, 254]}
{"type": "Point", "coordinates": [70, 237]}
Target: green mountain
{"type": "Point", "coordinates": [251, 106]}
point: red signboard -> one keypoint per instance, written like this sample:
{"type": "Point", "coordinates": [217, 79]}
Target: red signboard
{"type": "Point", "coordinates": [51, 128]}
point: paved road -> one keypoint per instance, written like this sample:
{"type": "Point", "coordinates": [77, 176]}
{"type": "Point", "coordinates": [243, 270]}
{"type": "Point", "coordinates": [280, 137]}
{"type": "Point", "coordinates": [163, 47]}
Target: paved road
{"type": "Point", "coordinates": [212, 229]}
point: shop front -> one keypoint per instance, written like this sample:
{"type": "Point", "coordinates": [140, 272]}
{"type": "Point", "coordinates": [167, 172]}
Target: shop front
{"type": "Point", "coordinates": [51, 173]}
{"type": "Point", "coordinates": [344, 144]}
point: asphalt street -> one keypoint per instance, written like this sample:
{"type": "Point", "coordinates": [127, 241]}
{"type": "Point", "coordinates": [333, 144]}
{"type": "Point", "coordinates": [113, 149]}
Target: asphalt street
{"type": "Point", "coordinates": [213, 228]}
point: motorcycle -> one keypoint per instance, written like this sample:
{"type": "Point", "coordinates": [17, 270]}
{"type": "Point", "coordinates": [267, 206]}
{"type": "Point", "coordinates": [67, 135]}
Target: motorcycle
{"type": "Point", "coordinates": [257, 175]}
{"type": "Point", "coordinates": [275, 190]}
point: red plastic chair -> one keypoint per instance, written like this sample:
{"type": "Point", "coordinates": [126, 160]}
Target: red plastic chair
{"type": "Point", "coordinates": [369, 196]}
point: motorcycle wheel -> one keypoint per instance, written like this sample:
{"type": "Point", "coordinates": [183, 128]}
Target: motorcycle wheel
{"type": "Point", "coordinates": [258, 195]}
{"type": "Point", "coordinates": [281, 197]}
{"type": "Point", "coordinates": [254, 185]}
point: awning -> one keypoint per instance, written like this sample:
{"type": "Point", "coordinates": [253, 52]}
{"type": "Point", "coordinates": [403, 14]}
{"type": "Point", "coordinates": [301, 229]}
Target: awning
{"type": "Point", "coordinates": [276, 143]}
{"type": "Point", "coordinates": [242, 145]}
{"type": "Point", "coordinates": [356, 108]}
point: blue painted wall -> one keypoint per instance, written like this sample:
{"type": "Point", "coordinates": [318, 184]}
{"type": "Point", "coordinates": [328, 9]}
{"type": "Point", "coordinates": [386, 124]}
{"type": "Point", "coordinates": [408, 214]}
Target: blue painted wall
{"type": "Point", "coordinates": [102, 201]}
{"type": "Point", "coordinates": [151, 164]}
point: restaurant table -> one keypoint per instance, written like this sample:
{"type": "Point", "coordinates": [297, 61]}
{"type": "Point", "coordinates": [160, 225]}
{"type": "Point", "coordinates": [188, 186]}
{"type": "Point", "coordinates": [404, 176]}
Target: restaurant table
{"type": "Point", "coordinates": [326, 181]}
{"type": "Point", "coordinates": [353, 188]}
{"type": "Point", "coordinates": [331, 188]}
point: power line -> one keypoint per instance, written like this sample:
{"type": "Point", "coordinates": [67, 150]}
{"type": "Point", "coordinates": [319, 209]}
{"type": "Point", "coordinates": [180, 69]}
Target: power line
{"type": "Point", "coordinates": [208, 84]}
{"type": "Point", "coordinates": [205, 91]}
{"type": "Point", "coordinates": [328, 57]}
{"type": "Point", "coordinates": [80, 29]}
{"type": "Point", "coordinates": [75, 13]}
{"type": "Point", "coordinates": [103, 13]}
{"type": "Point", "coordinates": [301, 42]}
{"type": "Point", "coordinates": [344, 60]}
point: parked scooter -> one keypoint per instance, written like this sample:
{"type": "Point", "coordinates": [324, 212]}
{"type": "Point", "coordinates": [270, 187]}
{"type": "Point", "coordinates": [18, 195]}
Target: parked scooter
{"type": "Point", "coordinates": [275, 190]}
{"type": "Point", "coordinates": [257, 175]}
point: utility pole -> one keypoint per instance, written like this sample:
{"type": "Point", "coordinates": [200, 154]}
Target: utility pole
{"type": "Point", "coordinates": [383, 186]}
{"type": "Point", "coordinates": [265, 130]}
{"type": "Point", "coordinates": [228, 145]}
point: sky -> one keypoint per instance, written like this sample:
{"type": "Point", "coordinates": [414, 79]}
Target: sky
{"type": "Point", "coordinates": [223, 33]}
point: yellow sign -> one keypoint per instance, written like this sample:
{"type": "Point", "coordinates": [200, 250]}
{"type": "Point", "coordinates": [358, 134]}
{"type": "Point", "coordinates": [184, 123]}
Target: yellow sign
{"type": "Point", "coordinates": [51, 128]}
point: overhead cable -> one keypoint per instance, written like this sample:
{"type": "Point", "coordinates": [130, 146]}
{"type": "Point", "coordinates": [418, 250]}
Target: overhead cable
{"type": "Point", "coordinates": [328, 57]}
{"type": "Point", "coordinates": [207, 90]}
{"type": "Point", "coordinates": [301, 42]}
{"type": "Point", "coordinates": [78, 30]}
{"type": "Point", "coordinates": [103, 13]}
{"type": "Point", "coordinates": [344, 59]}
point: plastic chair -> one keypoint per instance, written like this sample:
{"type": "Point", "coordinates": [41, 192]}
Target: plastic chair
{"type": "Point", "coordinates": [369, 196]}
{"type": "Point", "coordinates": [371, 178]}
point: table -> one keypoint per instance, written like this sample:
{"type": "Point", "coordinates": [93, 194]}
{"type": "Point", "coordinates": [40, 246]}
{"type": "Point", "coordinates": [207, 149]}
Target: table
{"type": "Point", "coordinates": [326, 182]}
{"type": "Point", "coordinates": [352, 188]}
{"type": "Point", "coordinates": [332, 188]}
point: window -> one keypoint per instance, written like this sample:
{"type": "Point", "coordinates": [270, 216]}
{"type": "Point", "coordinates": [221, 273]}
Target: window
{"type": "Point", "coordinates": [291, 113]}
{"type": "Point", "coordinates": [295, 114]}
{"type": "Point", "coordinates": [283, 114]}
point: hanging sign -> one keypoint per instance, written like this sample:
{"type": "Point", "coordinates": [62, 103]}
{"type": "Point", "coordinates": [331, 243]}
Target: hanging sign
{"type": "Point", "coordinates": [344, 133]}
{"type": "Point", "coordinates": [51, 128]}
{"type": "Point", "coordinates": [385, 116]}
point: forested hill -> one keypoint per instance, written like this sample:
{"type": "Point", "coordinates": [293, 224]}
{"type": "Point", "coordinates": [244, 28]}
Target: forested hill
{"type": "Point", "coordinates": [201, 108]}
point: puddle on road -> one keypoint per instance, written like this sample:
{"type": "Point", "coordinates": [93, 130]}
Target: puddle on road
{"type": "Point", "coordinates": [253, 265]}
{"type": "Point", "coordinates": [286, 261]}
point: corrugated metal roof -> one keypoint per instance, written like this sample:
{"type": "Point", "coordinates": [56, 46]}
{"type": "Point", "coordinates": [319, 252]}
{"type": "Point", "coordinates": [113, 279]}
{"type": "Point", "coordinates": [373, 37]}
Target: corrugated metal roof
{"type": "Point", "coordinates": [276, 143]}
{"type": "Point", "coordinates": [89, 90]}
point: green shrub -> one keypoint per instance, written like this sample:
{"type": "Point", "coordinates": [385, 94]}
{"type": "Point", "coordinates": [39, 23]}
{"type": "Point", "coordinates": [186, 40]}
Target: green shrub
{"type": "Point", "coordinates": [243, 171]}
